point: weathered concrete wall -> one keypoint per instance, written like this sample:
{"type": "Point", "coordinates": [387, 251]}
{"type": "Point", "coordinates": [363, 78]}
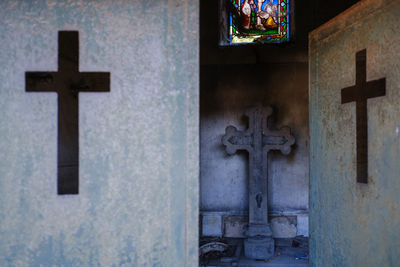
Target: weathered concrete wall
{"type": "Point", "coordinates": [355, 224]}
{"type": "Point", "coordinates": [138, 200]}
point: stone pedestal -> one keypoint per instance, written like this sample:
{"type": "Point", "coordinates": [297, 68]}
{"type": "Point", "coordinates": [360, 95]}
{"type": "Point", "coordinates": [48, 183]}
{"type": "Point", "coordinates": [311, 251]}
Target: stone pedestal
{"type": "Point", "coordinates": [259, 248]}
{"type": "Point", "coordinates": [259, 245]}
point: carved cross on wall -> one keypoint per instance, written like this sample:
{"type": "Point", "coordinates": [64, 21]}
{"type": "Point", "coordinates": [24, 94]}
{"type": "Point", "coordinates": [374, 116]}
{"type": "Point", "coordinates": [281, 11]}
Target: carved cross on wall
{"type": "Point", "coordinates": [67, 83]}
{"type": "Point", "coordinates": [258, 140]}
{"type": "Point", "coordinates": [360, 94]}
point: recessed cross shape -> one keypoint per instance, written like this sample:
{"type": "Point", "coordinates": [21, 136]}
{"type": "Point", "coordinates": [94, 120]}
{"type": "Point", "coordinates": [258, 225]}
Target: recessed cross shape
{"type": "Point", "coordinates": [67, 83]}
{"type": "Point", "coordinates": [258, 140]}
{"type": "Point", "coordinates": [360, 94]}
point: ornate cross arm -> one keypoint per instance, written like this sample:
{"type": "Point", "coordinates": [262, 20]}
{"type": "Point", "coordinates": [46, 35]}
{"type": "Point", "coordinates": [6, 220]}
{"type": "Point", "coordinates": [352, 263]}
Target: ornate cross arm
{"type": "Point", "coordinates": [247, 140]}
{"type": "Point", "coordinates": [237, 140]}
{"type": "Point", "coordinates": [278, 140]}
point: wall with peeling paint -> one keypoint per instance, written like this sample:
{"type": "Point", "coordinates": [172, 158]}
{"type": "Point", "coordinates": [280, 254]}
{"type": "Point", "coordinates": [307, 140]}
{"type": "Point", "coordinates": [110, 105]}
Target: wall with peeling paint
{"type": "Point", "coordinates": [138, 200]}
{"type": "Point", "coordinates": [355, 224]}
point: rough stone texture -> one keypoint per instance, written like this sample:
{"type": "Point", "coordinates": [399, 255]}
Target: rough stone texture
{"type": "Point", "coordinates": [259, 248]}
{"type": "Point", "coordinates": [278, 261]}
{"type": "Point", "coordinates": [212, 225]}
{"type": "Point", "coordinates": [283, 227]}
{"type": "Point", "coordinates": [138, 198]}
{"type": "Point", "coordinates": [302, 225]}
{"type": "Point", "coordinates": [355, 224]}
{"type": "Point", "coordinates": [235, 226]}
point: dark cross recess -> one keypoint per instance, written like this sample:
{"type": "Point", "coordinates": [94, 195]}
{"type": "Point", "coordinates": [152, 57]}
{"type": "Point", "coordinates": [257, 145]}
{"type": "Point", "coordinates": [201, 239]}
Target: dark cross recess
{"type": "Point", "coordinates": [258, 140]}
{"type": "Point", "coordinates": [360, 94]}
{"type": "Point", "coordinates": [67, 83]}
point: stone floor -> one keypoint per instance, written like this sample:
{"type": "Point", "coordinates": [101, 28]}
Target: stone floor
{"type": "Point", "coordinates": [288, 253]}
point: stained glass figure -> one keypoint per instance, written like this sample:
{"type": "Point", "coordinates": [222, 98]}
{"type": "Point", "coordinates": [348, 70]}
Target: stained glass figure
{"type": "Point", "coordinates": [258, 21]}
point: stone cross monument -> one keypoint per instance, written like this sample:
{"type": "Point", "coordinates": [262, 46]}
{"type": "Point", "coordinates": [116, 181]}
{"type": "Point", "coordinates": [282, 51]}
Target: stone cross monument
{"type": "Point", "coordinates": [258, 140]}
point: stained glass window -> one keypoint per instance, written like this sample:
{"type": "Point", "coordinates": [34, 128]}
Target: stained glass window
{"type": "Point", "coordinates": [258, 21]}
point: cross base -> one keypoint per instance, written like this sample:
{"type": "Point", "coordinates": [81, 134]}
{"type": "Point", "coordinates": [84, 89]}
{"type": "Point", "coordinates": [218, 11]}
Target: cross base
{"type": "Point", "coordinates": [259, 244]}
{"type": "Point", "coordinates": [259, 248]}
{"type": "Point", "coordinates": [256, 230]}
